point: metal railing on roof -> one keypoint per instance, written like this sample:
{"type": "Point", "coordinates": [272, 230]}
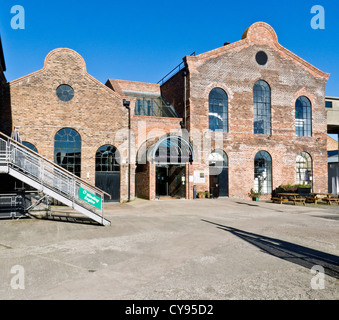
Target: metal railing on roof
{"type": "Point", "coordinates": [173, 72]}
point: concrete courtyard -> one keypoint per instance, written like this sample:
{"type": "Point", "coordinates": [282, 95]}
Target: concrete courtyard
{"type": "Point", "coordinates": [175, 249]}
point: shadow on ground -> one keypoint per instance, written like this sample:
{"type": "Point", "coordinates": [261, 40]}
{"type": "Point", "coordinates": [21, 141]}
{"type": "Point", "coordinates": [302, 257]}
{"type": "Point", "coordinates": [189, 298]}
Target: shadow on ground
{"type": "Point", "coordinates": [303, 256]}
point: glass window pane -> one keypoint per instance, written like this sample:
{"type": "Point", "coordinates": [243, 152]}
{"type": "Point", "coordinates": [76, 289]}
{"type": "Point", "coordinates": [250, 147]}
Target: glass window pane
{"type": "Point", "coordinates": [263, 172]}
{"type": "Point", "coordinates": [303, 117]}
{"type": "Point", "coordinates": [107, 159]}
{"type": "Point", "coordinates": [262, 108]}
{"type": "Point", "coordinates": [67, 154]}
{"type": "Point", "coordinates": [304, 169]}
{"type": "Point", "coordinates": [218, 110]}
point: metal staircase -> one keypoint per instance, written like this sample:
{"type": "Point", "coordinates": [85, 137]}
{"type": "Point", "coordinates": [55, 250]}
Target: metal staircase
{"type": "Point", "coordinates": [51, 180]}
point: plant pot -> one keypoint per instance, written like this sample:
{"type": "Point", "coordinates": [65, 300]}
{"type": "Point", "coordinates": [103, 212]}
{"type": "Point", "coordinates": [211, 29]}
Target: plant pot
{"type": "Point", "coordinates": [255, 198]}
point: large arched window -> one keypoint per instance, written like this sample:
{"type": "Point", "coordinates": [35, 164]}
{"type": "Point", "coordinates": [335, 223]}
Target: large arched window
{"type": "Point", "coordinates": [67, 150]}
{"type": "Point", "coordinates": [262, 107]}
{"type": "Point", "coordinates": [218, 110]}
{"type": "Point", "coordinates": [304, 169]}
{"type": "Point", "coordinates": [107, 159]}
{"type": "Point", "coordinates": [263, 172]}
{"type": "Point", "coordinates": [303, 117]}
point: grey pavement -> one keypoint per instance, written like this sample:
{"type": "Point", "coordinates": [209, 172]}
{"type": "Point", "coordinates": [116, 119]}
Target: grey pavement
{"type": "Point", "coordinates": [220, 249]}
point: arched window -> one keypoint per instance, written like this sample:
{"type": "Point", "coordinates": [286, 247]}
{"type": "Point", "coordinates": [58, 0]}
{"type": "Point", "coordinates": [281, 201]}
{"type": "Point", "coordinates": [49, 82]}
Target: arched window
{"type": "Point", "coordinates": [67, 150]}
{"type": "Point", "coordinates": [30, 146]}
{"type": "Point", "coordinates": [107, 159]}
{"type": "Point", "coordinates": [218, 110]}
{"type": "Point", "coordinates": [263, 172]}
{"type": "Point", "coordinates": [303, 117]}
{"type": "Point", "coordinates": [172, 150]}
{"type": "Point", "coordinates": [218, 160]}
{"type": "Point", "coordinates": [262, 107]}
{"type": "Point", "coordinates": [304, 169]}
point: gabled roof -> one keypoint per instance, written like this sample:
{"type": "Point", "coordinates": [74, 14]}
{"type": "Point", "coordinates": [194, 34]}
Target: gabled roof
{"type": "Point", "coordinates": [259, 33]}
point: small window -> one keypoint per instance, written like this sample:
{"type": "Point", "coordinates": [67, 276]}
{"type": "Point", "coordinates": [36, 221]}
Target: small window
{"type": "Point", "coordinates": [65, 92]}
{"type": "Point", "coordinates": [261, 58]}
{"type": "Point", "coordinates": [329, 104]}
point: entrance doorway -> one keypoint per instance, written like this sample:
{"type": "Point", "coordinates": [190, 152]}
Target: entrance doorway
{"type": "Point", "coordinates": [171, 181]}
{"type": "Point", "coordinates": [219, 174]}
{"type": "Point", "coordinates": [107, 171]}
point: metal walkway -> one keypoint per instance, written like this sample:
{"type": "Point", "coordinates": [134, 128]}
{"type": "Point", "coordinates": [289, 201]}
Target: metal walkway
{"type": "Point", "coordinates": [50, 179]}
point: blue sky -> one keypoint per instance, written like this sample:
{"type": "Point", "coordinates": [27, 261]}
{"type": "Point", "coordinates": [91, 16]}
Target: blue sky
{"type": "Point", "coordinates": [142, 40]}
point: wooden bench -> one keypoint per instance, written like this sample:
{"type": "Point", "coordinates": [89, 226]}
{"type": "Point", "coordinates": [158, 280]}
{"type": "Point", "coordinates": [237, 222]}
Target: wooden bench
{"type": "Point", "coordinates": [289, 197]}
{"type": "Point", "coordinates": [312, 199]}
{"type": "Point", "coordinates": [301, 200]}
{"type": "Point", "coordinates": [330, 200]}
{"type": "Point", "coordinates": [279, 200]}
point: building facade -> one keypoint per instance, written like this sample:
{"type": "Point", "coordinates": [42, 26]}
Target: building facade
{"type": "Point", "coordinates": [247, 115]}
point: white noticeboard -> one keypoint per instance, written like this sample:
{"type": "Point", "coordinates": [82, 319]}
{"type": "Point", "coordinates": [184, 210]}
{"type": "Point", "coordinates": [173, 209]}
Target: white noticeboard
{"type": "Point", "coordinates": [199, 177]}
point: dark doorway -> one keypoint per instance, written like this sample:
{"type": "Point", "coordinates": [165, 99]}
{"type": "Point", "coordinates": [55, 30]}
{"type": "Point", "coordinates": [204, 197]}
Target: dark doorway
{"type": "Point", "coordinates": [171, 181]}
{"type": "Point", "coordinates": [110, 183]}
{"type": "Point", "coordinates": [107, 171]}
{"type": "Point", "coordinates": [219, 184]}
{"type": "Point", "coordinates": [219, 174]}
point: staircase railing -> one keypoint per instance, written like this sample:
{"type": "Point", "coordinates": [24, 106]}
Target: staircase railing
{"type": "Point", "coordinates": [49, 175]}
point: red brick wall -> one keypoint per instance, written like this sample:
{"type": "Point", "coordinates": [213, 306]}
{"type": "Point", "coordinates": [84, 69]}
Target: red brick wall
{"type": "Point", "coordinates": [234, 69]}
{"type": "Point", "coordinates": [96, 112]}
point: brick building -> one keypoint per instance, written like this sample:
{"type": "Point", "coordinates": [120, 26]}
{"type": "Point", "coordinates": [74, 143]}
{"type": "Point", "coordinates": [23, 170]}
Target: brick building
{"type": "Point", "coordinates": [250, 114]}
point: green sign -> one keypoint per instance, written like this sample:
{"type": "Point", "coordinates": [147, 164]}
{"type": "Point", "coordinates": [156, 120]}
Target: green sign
{"type": "Point", "coordinates": [90, 198]}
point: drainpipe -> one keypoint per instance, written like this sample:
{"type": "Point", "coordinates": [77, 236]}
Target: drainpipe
{"type": "Point", "coordinates": [185, 98]}
{"type": "Point", "coordinates": [127, 106]}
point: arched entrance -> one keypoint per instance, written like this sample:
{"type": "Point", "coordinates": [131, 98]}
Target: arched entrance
{"type": "Point", "coordinates": [218, 172]}
{"type": "Point", "coordinates": [161, 167]}
{"type": "Point", "coordinates": [170, 155]}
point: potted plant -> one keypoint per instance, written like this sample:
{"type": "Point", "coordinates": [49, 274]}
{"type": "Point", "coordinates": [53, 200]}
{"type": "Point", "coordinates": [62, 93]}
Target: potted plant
{"type": "Point", "coordinates": [207, 194]}
{"type": "Point", "coordinates": [255, 195]}
{"type": "Point", "coordinates": [201, 194]}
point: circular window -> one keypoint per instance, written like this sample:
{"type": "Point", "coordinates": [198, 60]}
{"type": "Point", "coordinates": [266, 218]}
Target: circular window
{"type": "Point", "coordinates": [65, 92]}
{"type": "Point", "coordinates": [261, 58]}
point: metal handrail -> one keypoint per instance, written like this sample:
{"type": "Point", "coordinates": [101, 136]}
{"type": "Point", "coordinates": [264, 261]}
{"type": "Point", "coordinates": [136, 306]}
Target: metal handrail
{"type": "Point", "coordinates": [48, 174]}
{"type": "Point", "coordinates": [161, 82]}
{"type": "Point", "coordinates": [54, 164]}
